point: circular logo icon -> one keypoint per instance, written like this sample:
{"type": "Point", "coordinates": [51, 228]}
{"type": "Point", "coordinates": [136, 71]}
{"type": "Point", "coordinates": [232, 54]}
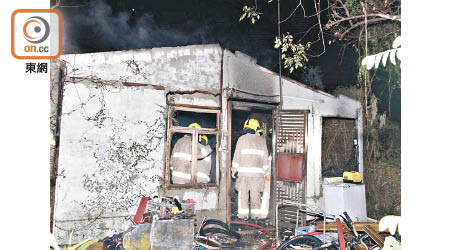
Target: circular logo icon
{"type": "Point", "coordinates": [36, 29]}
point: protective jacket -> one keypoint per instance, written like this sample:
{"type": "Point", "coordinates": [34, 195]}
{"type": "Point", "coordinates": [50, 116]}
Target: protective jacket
{"type": "Point", "coordinates": [180, 161]}
{"type": "Point", "coordinates": [203, 163]}
{"type": "Point", "coordinates": [250, 156]}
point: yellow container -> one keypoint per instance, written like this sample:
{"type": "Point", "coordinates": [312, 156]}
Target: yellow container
{"type": "Point", "coordinates": [352, 177]}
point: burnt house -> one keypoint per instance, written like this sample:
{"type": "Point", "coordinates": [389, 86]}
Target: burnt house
{"type": "Point", "coordinates": [121, 113]}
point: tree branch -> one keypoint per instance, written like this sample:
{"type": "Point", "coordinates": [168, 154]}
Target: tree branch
{"type": "Point", "coordinates": [382, 16]}
{"type": "Point", "coordinates": [389, 17]}
{"type": "Point", "coordinates": [374, 20]}
{"type": "Point", "coordinates": [346, 10]}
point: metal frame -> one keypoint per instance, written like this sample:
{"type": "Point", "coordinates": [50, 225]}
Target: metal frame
{"type": "Point", "coordinates": [303, 152]}
{"type": "Point", "coordinates": [311, 209]}
{"type": "Point", "coordinates": [194, 132]}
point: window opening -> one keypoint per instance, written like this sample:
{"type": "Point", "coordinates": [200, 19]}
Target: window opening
{"type": "Point", "coordinates": [339, 147]}
{"type": "Point", "coordinates": [192, 130]}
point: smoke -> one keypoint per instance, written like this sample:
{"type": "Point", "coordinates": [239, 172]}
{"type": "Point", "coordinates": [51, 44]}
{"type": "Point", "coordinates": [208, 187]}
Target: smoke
{"type": "Point", "coordinates": [99, 27]}
{"type": "Point", "coordinates": [95, 27]}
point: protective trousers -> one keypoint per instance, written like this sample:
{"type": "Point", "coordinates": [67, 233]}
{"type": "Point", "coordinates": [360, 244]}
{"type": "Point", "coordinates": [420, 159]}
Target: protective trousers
{"type": "Point", "coordinates": [254, 186]}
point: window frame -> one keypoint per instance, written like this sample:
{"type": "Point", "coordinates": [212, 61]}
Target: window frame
{"type": "Point", "coordinates": [171, 129]}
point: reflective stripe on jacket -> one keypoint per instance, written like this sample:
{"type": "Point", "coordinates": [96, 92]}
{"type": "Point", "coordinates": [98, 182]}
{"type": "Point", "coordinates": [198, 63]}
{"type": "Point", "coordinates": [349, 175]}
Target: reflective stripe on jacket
{"type": "Point", "coordinates": [203, 163]}
{"type": "Point", "coordinates": [180, 161]}
{"type": "Point", "coordinates": [250, 156]}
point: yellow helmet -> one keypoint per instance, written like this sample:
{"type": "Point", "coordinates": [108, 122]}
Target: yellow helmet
{"type": "Point", "coordinates": [203, 137]}
{"type": "Point", "coordinates": [252, 124]}
{"type": "Point", "coordinates": [200, 137]}
{"type": "Point", "coordinates": [259, 131]}
{"type": "Point", "coordinates": [194, 125]}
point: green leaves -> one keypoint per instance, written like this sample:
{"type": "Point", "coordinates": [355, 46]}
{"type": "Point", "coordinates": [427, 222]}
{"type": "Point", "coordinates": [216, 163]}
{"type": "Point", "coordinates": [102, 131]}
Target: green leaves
{"type": "Point", "coordinates": [250, 13]}
{"type": "Point", "coordinates": [292, 54]}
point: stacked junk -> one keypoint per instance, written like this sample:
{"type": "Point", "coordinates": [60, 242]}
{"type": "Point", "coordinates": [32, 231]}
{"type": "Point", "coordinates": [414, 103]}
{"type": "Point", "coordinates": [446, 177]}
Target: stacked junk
{"type": "Point", "coordinates": [168, 223]}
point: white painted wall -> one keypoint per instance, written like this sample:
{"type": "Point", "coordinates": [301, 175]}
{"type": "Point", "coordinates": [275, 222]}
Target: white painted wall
{"type": "Point", "coordinates": [194, 67]}
{"type": "Point", "coordinates": [95, 189]}
{"type": "Point", "coordinates": [198, 99]}
{"type": "Point", "coordinates": [89, 184]}
{"type": "Point", "coordinates": [246, 77]}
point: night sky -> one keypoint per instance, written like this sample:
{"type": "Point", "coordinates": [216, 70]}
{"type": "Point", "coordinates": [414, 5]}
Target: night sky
{"type": "Point", "coordinates": [108, 25]}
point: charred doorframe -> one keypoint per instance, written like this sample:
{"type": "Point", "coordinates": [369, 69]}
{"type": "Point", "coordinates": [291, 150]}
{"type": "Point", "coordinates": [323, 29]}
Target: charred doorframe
{"type": "Point", "coordinates": [242, 105]}
{"type": "Point", "coordinates": [171, 129]}
{"type": "Point", "coordinates": [62, 72]}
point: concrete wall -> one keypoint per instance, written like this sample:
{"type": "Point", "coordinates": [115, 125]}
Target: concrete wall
{"type": "Point", "coordinates": [111, 154]}
{"type": "Point", "coordinates": [107, 126]}
{"type": "Point", "coordinates": [198, 99]}
{"type": "Point", "coordinates": [248, 80]}
{"type": "Point", "coordinates": [195, 67]}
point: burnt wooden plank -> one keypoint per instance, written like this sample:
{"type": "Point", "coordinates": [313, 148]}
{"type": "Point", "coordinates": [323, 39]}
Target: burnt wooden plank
{"type": "Point", "coordinates": [374, 235]}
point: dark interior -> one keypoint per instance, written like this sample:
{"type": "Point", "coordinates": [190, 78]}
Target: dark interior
{"type": "Point", "coordinates": [239, 115]}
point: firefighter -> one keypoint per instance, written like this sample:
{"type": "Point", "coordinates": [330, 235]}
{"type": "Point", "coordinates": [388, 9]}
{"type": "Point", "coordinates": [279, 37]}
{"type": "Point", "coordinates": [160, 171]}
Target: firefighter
{"type": "Point", "coordinates": [203, 160]}
{"type": "Point", "coordinates": [181, 159]}
{"type": "Point", "coordinates": [251, 162]}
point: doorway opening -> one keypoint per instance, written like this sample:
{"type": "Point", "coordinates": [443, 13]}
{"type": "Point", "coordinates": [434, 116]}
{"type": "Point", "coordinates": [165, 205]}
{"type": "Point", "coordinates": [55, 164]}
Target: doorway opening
{"type": "Point", "coordinates": [239, 112]}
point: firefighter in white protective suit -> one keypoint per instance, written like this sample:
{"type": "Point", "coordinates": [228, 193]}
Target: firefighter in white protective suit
{"type": "Point", "coordinates": [181, 159]}
{"type": "Point", "coordinates": [251, 162]}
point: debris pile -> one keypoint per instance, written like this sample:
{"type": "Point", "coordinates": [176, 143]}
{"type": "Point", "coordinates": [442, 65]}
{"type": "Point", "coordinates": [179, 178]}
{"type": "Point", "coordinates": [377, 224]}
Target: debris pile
{"type": "Point", "coordinates": [168, 223]}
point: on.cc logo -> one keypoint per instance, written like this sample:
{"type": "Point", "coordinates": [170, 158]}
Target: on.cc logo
{"type": "Point", "coordinates": [36, 29]}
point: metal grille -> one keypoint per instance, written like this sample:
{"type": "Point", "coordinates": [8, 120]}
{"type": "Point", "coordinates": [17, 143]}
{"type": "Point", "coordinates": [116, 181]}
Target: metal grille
{"type": "Point", "coordinates": [291, 127]}
{"type": "Point", "coordinates": [290, 191]}
{"type": "Point", "coordinates": [290, 131]}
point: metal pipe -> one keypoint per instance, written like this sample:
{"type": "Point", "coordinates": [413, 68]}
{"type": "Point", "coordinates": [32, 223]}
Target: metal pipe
{"type": "Point", "coordinates": [276, 223]}
{"type": "Point", "coordinates": [279, 57]}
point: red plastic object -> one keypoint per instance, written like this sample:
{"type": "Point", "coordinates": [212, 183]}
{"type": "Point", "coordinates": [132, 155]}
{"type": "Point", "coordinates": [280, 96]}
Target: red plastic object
{"type": "Point", "coordinates": [139, 216]}
{"type": "Point", "coordinates": [290, 167]}
{"type": "Point", "coordinates": [314, 233]}
{"type": "Point", "coordinates": [189, 201]}
{"type": "Point", "coordinates": [340, 234]}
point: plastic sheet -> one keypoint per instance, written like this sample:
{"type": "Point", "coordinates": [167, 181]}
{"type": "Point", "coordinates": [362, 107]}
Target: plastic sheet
{"type": "Point", "coordinates": [172, 234]}
{"type": "Point", "coordinates": [138, 238]}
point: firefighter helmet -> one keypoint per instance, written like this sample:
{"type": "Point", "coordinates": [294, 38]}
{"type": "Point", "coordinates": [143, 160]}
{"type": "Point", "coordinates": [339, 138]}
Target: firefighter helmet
{"type": "Point", "coordinates": [252, 124]}
{"type": "Point", "coordinates": [194, 125]}
{"type": "Point", "coordinates": [200, 137]}
{"type": "Point", "coordinates": [259, 131]}
{"type": "Point", "coordinates": [203, 137]}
